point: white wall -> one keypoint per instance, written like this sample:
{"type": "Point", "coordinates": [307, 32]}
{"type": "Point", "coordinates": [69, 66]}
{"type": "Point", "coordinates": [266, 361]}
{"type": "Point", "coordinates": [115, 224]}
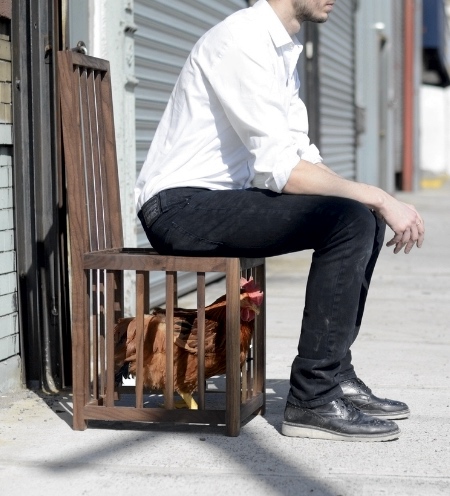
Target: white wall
{"type": "Point", "coordinates": [109, 35]}
{"type": "Point", "coordinates": [112, 37]}
{"type": "Point", "coordinates": [435, 130]}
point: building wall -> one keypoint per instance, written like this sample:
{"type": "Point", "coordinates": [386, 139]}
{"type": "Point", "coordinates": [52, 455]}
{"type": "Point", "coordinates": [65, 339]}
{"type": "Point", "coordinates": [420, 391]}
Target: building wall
{"type": "Point", "coordinates": [109, 34]}
{"type": "Point", "coordinates": [5, 8]}
{"type": "Point", "coordinates": [435, 130]}
{"type": "Point", "coordinates": [375, 96]}
{"type": "Point", "coordinates": [435, 127]}
{"type": "Point", "coordinates": [9, 330]}
{"type": "Point", "coordinates": [336, 72]}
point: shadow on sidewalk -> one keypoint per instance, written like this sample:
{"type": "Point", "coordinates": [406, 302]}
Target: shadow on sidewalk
{"type": "Point", "coordinates": [251, 451]}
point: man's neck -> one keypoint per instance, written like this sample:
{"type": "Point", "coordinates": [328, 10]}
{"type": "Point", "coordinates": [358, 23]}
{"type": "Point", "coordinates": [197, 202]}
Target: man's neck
{"type": "Point", "coordinates": [285, 12]}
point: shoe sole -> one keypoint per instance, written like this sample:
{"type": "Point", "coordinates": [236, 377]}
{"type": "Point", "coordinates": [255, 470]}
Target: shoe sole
{"type": "Point", "coordinates": [290, 429]}
{"type": "Point", "coordinates": [387, 416]}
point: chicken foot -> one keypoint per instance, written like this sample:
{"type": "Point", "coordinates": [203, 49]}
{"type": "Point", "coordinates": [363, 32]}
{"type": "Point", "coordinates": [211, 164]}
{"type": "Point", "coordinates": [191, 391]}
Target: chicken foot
{"type": "Point", "coordinates": [188, 401]}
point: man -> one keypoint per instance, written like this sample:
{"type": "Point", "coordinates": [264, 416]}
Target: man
{"type": "Point", "coordinates": [231, 172]}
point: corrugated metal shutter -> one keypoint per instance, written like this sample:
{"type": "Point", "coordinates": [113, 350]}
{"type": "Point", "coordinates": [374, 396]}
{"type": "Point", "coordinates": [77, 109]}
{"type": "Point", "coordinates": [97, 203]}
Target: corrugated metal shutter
{"type": "Point", "coordinates": [337, 90]}
{"type": "Point", "coordinates": [166, 33]}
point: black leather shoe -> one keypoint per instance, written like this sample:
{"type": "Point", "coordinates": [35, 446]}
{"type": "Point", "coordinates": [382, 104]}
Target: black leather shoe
{"type": "Point", "coordinates": [361, 396]}
{"type": "Point", "coordinates": [338, 420]}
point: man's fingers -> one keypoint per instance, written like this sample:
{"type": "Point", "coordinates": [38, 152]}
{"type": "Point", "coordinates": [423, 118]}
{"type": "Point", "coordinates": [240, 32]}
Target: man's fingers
{"type": "Point", "coordinates": [398, 247]}
{"type": "Point", "coordinates": [414, 237]}
{"type": "Point", "coordinates": [400, 240]}
{"type": "Point", "coordinates": [421, 231]}
{"type": "Point", "coordinates": [396, 239]}
{"type": "Point", "coordinates": [411, 236]}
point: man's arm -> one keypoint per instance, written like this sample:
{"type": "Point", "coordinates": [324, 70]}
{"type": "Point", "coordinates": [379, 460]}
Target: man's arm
{"type": "Point", "coordinates": [403, 219]}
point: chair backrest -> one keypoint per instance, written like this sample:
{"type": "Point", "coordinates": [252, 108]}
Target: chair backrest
{"type": "Point", "coordinates": [90, 152]}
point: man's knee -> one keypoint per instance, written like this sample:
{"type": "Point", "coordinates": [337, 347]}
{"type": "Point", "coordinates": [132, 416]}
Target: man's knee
{"type": "Point", "coordinates": [360, 219]}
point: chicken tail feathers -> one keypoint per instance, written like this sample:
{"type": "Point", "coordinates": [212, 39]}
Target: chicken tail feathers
{"type": "Point", "coordinates": [122, 373]}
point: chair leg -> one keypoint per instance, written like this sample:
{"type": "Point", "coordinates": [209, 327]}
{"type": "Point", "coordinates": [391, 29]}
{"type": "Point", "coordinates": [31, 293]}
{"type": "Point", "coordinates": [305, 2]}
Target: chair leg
{"type": "Point", "coordinates": [233, 372]}
{"type": "Point", "coordinates": [80, 352]}
{"type": "Point", "coordinates": [260, 341]}
{"type": "Point", "coordinates": [78, 385]}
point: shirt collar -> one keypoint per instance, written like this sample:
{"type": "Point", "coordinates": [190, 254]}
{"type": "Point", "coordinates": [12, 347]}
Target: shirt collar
{"type": "Point", "coordinates": [277, 31]}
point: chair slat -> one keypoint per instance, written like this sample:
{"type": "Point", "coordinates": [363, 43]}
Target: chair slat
{"type": "Point", "coordinates": [169, 386]}
{"type": "Point", "coordinates": [259, 338]}
{"type": "Point", "coordinates": [95, 188]}
{"type": "Point", "coordinates": [110, 324]}
{"type": "Point", "coordinates": [147, 292]}
{"type": "Point", "coordinates": [140, 284]}
{"type": "Point", "coordinates": [233, 379]}
{"type": "Point", "coordinates": [95, 335]}
{"type": "Point", "coordinates": [87, 159]}
{"type": "Point", "coordinates": [103, 167]}
{"type": "Point", "coordinates": [109, 161]}
{"type": "Point", "coordinates": [201, 290]}
{"type": "Point", "coordinates": [102, 326]}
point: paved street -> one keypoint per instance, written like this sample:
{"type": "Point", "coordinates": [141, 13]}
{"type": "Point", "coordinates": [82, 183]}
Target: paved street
{"type": "Point", "coordinates": [403, 352]}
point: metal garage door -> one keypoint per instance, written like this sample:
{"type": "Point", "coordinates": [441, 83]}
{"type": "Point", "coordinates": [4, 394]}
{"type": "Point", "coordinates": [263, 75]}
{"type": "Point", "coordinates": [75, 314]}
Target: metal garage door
{"type": "Point", "coordinates": [337, 89]}
{"type": "Point", "coordinates": [166, 33]}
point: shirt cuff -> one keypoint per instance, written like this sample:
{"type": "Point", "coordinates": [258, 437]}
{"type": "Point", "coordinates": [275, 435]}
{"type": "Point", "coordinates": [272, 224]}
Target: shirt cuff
{"type": "Point", "coordinates": [311, 154]}
{"type": "Point", "coordinates": [277, 181]}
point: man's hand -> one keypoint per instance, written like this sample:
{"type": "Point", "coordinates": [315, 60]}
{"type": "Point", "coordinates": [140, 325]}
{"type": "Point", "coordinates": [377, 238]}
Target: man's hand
{"type": "Point", "coordinates": [406, 223]}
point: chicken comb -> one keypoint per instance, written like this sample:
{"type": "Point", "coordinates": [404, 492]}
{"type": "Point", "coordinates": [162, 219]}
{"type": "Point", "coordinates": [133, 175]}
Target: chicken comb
{"type": "Point", "coordinates": [252, 289]}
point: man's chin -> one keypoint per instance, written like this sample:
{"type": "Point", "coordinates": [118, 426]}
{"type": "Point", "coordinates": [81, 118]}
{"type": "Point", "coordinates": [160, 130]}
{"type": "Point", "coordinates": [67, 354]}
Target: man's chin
{"type": "Point", "coordinates": [317, 20]}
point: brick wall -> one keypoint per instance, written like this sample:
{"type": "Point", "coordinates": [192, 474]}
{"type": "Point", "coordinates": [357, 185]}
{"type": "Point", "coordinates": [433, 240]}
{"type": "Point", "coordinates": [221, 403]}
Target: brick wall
{"type": "Point", "coordinates": [5, 8]}
{"type": "Point", "coordinates": [9, 337]}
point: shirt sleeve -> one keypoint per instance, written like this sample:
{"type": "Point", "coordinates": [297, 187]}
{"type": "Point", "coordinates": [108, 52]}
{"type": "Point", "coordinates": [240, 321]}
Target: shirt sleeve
{"type": "Point", "coordinates": [298, 125]}
{"type": "Point", "coordinates": [271, 123]}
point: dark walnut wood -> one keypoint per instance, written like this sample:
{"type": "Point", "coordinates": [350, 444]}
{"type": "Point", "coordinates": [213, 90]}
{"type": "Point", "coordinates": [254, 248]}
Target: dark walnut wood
{"type": "Point", "coordinates": [98, 259]}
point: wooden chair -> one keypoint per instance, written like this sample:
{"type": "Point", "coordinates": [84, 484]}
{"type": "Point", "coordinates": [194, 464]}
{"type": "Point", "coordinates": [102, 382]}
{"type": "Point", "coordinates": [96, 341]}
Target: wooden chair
{"type": "Point", "coordinates": [98, 260]}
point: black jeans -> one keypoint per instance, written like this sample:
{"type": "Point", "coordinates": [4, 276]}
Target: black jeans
{"type": "Point", "coordinates": [346, 238]}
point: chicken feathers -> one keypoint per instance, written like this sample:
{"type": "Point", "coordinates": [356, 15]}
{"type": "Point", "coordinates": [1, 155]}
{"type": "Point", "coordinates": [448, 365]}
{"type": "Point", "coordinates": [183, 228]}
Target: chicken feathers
{"type": "Point", "coordinates": [185, 341]}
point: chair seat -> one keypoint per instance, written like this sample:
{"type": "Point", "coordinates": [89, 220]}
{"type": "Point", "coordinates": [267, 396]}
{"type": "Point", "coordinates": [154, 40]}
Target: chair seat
{"type": "Point", "coordinates": [149, 259]}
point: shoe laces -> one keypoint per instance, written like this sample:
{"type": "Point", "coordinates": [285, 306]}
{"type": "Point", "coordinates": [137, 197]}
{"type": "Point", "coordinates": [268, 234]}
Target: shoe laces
{"type": "Point", "coordinates": [348, 405]}
{"type": "Point", "coordinates": [361, 384]}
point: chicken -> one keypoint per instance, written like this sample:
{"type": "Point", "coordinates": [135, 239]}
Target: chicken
{"type": "Point", "coordinates": [185, 342]}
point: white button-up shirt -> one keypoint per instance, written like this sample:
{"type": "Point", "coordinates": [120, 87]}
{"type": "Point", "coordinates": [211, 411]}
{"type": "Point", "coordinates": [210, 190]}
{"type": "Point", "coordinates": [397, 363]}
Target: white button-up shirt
{"type": "Point", "coordinates": [234, 119]}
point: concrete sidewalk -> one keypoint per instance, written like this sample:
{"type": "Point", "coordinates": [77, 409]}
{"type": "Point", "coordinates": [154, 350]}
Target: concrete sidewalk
{"type": "Point", "coordinates": [403, 352]}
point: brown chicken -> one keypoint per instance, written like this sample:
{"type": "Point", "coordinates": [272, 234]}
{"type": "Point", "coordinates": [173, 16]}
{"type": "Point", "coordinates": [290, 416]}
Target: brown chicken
{"type": "Point", "coordinates": [185, 342]}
